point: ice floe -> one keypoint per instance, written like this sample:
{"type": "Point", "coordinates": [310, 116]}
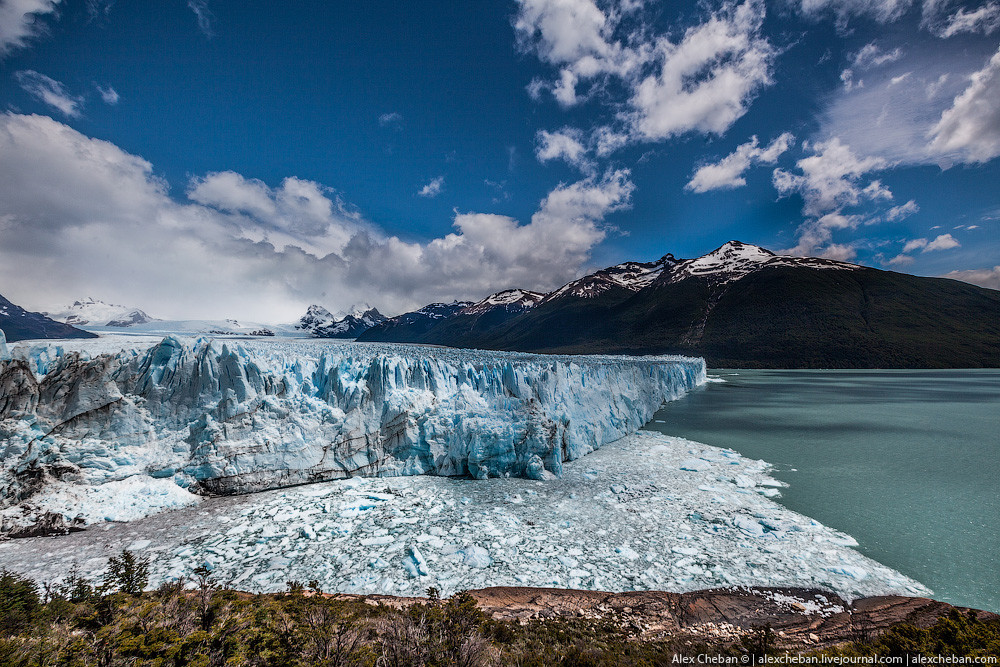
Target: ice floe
{"type": "Point", "coordinates": [629, 516]}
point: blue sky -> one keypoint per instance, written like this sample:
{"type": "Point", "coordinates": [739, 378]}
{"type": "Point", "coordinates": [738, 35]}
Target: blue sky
{"type": "Point", "coordinates": [223, 159]}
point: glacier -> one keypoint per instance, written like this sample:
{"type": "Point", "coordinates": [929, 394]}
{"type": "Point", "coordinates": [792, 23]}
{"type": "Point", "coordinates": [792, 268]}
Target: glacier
{"type": "Point", "coordinates": [179, 417]}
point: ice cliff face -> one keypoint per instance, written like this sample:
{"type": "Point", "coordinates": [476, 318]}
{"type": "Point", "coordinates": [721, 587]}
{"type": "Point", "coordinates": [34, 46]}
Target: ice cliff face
{"type": "Point", "coordinates": [235, 418]}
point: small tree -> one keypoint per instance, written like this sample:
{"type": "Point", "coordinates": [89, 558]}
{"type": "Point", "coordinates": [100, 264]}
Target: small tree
{"type": "Point", "coordinates": [205, 587]}
{"type": "Point", "coordinates": [128, 573]}
{"type": "Point", "coordinates": [18, 602]}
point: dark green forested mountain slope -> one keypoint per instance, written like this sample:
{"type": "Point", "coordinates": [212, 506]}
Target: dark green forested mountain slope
{"type": "Point", "coordinates": [772, 312]}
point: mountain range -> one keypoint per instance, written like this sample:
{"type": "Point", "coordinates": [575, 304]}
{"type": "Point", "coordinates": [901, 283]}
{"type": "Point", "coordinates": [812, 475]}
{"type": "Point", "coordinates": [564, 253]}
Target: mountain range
{"type": "Point", "coordinates": [20, 324]}
{"type": "Point", "coordinates": [96, 313]}
{"type": "Point", "coordinates": [319, 322]}
{"type": "Point", "coordinates": [738, 306]}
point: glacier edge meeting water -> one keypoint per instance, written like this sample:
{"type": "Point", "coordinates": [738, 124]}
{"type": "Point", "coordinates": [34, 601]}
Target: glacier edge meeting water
{"type": "Point", "coordinates": [114, 430]}
{"type": "Point", "coordinates": [154, 423]}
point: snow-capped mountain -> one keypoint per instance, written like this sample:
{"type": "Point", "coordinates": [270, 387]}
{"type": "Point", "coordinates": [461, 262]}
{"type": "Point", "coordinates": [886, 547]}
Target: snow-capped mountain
{"type": "Point", "coordinates": [632, 276]}
{"type": "Point", "coordinates": [403, 328]}
{"type": "Point", "coordinates": [20, 324]}
{"type": "Point", "coordinates": [321, 323]}
{"type": "Point", "coordinates": [735, 260]}
{"type": "Point", "coordinates": [740, 306]}
{"type": "Point", "coordinates": [510, 301]}
{"type": "Point", "coordinates": [96, 313]}
{"type": "Point", "coordinates": [316, 316]}
{"type": "Point", "coordinates": [456, 324]}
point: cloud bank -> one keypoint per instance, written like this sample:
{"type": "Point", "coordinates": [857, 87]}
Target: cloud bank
{"type": "Point", "coordinates": [236, 246]}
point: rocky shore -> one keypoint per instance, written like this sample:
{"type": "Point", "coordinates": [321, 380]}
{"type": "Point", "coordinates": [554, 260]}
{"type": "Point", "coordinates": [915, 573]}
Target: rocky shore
{"type": "Point", "coordinates": [801, 619]}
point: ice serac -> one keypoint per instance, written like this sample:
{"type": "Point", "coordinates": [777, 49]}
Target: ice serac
{"type": "Point", "coordinates": [235, 418]}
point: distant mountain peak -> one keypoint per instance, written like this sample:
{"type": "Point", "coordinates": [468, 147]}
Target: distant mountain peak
{"type": "Point", "coordinates": [321, 323]}
{"type": "Point", "coordinates": [735, 260]}
{"type": "Point", "coordinates": [96, 313]}
{"type": "Point", "coordinates": [632, 276]}
{"type": "Point", "coordinates": [20, 324]}
{"type": "Point", "coordinates": [508, 299]}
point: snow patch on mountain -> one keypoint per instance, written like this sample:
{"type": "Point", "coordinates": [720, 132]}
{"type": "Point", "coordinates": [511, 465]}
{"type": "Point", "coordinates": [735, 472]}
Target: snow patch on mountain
{"type": "Point", "coordinates": [316, 316]}
{"type": "Point", "coordinates": [511, 300]}
{"type": "Point", "coordinates": [321, 323]}
{"type": "Point", "coordinates": [632, 276]}
{"type": "Point", "coordinates": [440, 311]}
{"type": "Point", "coordinates": [735, 260]}
{"type": "Point", "coordinates": [244, 416]}
{"type": "Point", "coordinates": [94, 312]}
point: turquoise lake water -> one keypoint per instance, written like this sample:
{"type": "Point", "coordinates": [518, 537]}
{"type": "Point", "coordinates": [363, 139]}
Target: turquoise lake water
{"type": "Point", "coordinates": [907, 462]}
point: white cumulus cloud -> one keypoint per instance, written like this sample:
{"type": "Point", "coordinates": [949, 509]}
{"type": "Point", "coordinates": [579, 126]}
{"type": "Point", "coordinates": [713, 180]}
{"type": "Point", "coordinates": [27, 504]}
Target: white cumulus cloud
{"type": "Point", "coordinates": [830, 178]}
{"type": "Point", "coordinates": [897, 213]}
{"type": "Point", "coordinates": [705, 82]}
{"type": "Point", "coordinates": [564, 144]}
{"type": "Point", "coordinates": [983, 277]}
{"type": "Point", "coordinates": [728, 172]}
{"type": "Point", "coordinates": [237, 247]}
{"type": "Point", "coordinates": [432, 189]}
{"type": "Point", "coordinates": [702, 81]}
{"type": "Point", "coordinates": [942, 242]}
{"type": "Point", "coordinates": [969, 130]}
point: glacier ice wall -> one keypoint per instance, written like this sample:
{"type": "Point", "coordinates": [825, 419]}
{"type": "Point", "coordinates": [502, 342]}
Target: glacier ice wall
{"type": "Point", "coordinates": [227, 417]}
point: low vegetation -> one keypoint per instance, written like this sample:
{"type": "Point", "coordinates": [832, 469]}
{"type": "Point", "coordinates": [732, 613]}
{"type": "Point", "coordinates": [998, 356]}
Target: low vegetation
{"type": "Point", "coordinates": [195, 623]}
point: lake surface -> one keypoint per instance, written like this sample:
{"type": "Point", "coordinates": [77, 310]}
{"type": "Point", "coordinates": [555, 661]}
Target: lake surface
{"type": "Point", "coordinates": [907, 462]}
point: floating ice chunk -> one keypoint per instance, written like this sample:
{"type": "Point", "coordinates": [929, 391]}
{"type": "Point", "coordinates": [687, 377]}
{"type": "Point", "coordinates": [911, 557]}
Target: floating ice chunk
{"type": "Point", "coordinates": [695, 465]}
{"type": "Point", "coordinates": [749, 526]}
{"type": "Point", "coordinates": [535, 469]}
{"type": "Point", "coordinates": [568, 561]}
{"type": "Point", "coordinates": [476, 556]}
{"type": "Point", "coordinates": [626, 552]}
{"type": "Point", "coordinates": [852, 571]}
{"type": "Point", "coordinates": [126, 499]}
{"type": "Point", "coordinates": [414, 563]}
